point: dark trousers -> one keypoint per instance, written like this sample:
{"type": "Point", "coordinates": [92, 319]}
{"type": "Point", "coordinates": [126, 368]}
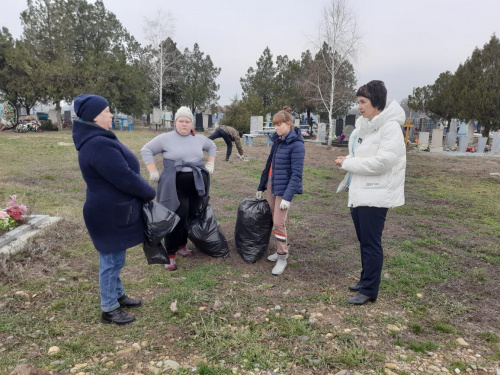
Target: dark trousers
{"type": "Point", "coordinates": [219, 133]}
{"type": "Point", "coordinates": [190, 203]}
{"type": "Point", "coordinates": [369, 224]}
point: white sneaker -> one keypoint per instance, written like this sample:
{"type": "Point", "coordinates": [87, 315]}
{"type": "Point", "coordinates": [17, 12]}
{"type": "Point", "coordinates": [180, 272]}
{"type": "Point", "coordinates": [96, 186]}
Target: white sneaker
{"type": "Point", "coordinates": [273, 257]}
{"type": "Point", "coordinates": [280, 266]}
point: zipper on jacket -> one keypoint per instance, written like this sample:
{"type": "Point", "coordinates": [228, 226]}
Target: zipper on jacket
{"type": "Point", "coordinates": [273, 164]}
{"type": "Point", "coordinates": [129, 214]}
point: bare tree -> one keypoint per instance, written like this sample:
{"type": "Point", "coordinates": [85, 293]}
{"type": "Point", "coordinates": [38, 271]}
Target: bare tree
{"type": "Point", "coordinates": [162, 58]}
{"type": "Point", "coordinates": [337, 44]}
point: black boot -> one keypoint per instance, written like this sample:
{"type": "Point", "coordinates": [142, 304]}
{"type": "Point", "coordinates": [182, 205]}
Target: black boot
{"type": "Point", "coordinates": [355, 287]}
{"type": "Point", "coordinates": [126, 301]}
{"type": "Point", "coordinates": [117, 316]}
{"type": "Point", "coordinates": [361, 299]}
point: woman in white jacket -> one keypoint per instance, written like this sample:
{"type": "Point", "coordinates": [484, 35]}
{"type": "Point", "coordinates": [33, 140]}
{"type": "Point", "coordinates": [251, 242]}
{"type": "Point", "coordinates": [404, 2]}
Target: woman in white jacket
{"type": "Point", "coordinates": [376, 174]}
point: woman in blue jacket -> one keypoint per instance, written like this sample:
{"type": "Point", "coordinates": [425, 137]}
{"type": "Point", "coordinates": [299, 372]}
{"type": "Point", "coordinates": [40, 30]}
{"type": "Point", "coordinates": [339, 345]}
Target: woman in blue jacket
{"type": "Point", "coordinates": [115, 195]}
{"type": "Point", "coordinates": [282, 178]}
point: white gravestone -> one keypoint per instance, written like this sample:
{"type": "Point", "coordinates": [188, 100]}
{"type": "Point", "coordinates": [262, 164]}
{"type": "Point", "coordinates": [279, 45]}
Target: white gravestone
{"type": "Point", "coordinates": [156, 116]}
{"type": "Point", "coordinates": [205, 122]}
{"type": "Point", "coordinates": [321, 133]}
{"type": "Point", "coordinates": [256, 124]}
{"type": "Point", "coordinates": [470, 129]}
{"type": "Point", "coordinates": [495, 143]}
{"type": "Point", "coordinates": [437, 140]}
{"type": "Point", "coordinates": [481, 144]}
{"type": "Point", "coordinates": [297, 123]}
{"type": "Point", "coordinates": [423, 139]}
{"type": "Point", "coordinates": [348, 129]}
{"type": "Point", "coordinates": [463, 142]}
{"type": "Point", "coordinates": [55, 118]}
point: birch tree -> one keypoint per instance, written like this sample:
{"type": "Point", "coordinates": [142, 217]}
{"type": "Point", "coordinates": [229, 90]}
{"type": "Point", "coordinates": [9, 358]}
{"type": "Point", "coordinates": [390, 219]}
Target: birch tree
{"type": "Point", "coordinates": [162, 59]}
{"type": "Point", "coordinates": [337, 44]}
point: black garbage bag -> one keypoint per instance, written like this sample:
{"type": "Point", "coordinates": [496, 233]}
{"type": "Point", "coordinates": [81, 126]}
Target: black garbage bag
{"type": "Point", "coordinates": [155, 252]}
{"type": "Point", "coordinates": [253, 229]}
{"type": "Point", "coordinates": [205, 233]}
{"type": "Point", "coordinates": [158, 222]}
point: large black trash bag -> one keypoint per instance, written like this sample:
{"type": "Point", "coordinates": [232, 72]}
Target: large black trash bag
{"type": "Point", "coordinates": [253, 229]}
{"type": "Point", "coordinates": [158, 222]}
{"type": "Point", "coordinates": [205, 233]}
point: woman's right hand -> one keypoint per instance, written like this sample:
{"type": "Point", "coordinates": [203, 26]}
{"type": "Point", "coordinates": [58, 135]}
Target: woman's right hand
{"type": "Point", "coordinates": [339, 161]}
{"type": "Point", "coordinates": [154, 176]}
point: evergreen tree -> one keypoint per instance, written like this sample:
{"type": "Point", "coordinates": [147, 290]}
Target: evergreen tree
{"type": "Point", "coordinates": [261, 81]}
{"type": "Point", "coordinates": [199, 89]}
{"type": "Point", "coordinates": [477, 86]}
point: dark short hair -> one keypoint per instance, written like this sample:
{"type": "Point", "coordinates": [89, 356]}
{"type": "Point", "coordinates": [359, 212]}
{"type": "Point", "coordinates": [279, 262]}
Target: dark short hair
{"type": "Point", "coordinates": [376, 92]}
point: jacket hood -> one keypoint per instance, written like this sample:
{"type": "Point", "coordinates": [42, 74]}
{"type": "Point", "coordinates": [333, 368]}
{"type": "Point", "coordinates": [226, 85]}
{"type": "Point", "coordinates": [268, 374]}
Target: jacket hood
{"type": "Point", "coordinates": [84, 131]}
{"type": "Point", "coordinates": [294, 135]}
{"type": "Point", "coordinates": [392, 112]}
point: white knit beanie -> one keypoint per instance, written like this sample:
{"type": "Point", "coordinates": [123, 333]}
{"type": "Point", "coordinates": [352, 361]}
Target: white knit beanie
{"type": "Point", "coordinates": [184, 112]}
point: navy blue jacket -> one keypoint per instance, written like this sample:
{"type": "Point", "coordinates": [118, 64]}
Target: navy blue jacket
{"type": "Point", "coordinates": [287, 158]}
{"type": "Point", "coordinates": [115, 189]}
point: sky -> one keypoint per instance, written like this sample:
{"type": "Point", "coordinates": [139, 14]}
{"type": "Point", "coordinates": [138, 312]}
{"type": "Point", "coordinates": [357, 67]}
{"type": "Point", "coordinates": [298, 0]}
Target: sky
{"type": "Point", "coordinates": [406, 44]}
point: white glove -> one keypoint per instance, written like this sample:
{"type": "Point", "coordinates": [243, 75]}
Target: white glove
{"type": "Point", "coordinates": [242, 157]}
{"type": "Point", "coordinates": [258, 194]}
{"type": "Point", "coordinates": [154, 176]}
{"type": "Point", "coordinates": [210, 166]}
{"type": "Point", "coordinates": [285, 205]}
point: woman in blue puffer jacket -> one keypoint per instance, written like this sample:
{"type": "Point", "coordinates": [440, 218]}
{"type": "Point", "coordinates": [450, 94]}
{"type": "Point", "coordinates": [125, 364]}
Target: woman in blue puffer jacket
{"type": "Point", "coordinates": [282, 178]}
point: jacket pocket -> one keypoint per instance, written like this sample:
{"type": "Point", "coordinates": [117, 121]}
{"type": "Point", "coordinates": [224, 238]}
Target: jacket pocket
{"type": "Point", "coordinates": [126, 214]}
{"type": "Point", "coordinates": [371, 182]}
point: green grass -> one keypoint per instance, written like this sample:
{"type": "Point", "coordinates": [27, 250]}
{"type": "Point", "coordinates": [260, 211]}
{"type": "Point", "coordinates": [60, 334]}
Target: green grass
{"type": "Point", "coordinates": [442, 253]}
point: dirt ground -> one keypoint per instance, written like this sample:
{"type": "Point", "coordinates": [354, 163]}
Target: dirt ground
{"type": "Point", "coordinates": [324, 261]}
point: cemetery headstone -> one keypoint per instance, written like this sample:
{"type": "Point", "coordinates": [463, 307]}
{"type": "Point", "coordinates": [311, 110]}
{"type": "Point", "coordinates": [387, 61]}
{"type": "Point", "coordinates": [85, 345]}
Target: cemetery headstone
{"type": "Point", "coordinates": [423, 139]}
{"type": "Point", "coordinates": [297, 123]}
{"type": "Point", "coordinates": [470, 129]}
{"type": "Point", "coordinates": [495, 143]}
{"type": "Point", "coordinates": [321, 133]}
{"type": "Point", "coordinates": [463, 142]}
{"type": "Point", "coordinates": [462, 130]}
{"type": "Point", "coordinates": [199, 122]}
{"type": "Point", "coordinates": [156, 116]}
{"type": "Point", "coordinates": [350, 120]}
{"type": "Point", "coordinates": [348, 129]}
{"type": "Point", "coordinates": [67, 117]}
{"type": "Point", "coordinates": [256, 123]}
{"type": "Point", "coordinates": [55, 118]}
{"type": "Point", "coordinates": [454, 125]}
{"type": "Point", "coordinates": [205, 122]}
{"type": "Point", "coordinates": [481, 144]}
{"type": "Point", "coordinates": [339, 126]}
{"type": "Point", "coordinates": [437, 140]}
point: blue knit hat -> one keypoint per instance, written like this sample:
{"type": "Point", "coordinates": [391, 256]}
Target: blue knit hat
{"type": "Point", "coordinates": [88, 106]}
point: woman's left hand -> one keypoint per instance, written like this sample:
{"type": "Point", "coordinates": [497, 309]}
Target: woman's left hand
{"type": "Point", "coordinates": [284, 205]}
{"type": "Point", "coordinates": [210, 167]}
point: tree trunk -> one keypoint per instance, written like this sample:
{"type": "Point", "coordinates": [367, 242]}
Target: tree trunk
{"type": "Point", "coordinates": [330, 130]}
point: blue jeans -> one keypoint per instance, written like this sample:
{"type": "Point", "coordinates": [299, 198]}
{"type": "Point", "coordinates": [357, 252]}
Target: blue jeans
{"type": "Point", "coordinates": [369, 224]}
{"type": "Point", "coordinates": [110, 285]}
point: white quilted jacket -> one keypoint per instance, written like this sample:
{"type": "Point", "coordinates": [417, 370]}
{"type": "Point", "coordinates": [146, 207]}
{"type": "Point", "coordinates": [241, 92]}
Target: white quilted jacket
{"type": "Point", "coordinates": [377, 160]}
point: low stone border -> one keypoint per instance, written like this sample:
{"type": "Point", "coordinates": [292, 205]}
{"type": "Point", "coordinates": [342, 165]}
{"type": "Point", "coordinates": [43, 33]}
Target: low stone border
{"type": "Point", "coordinates": [14, 241]}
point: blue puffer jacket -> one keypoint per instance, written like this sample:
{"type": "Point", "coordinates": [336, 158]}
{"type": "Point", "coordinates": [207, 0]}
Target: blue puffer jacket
{"type": "Point", "coordinates": [287, 158]}
{"type": "Point", "coordinates": [115, 189]}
